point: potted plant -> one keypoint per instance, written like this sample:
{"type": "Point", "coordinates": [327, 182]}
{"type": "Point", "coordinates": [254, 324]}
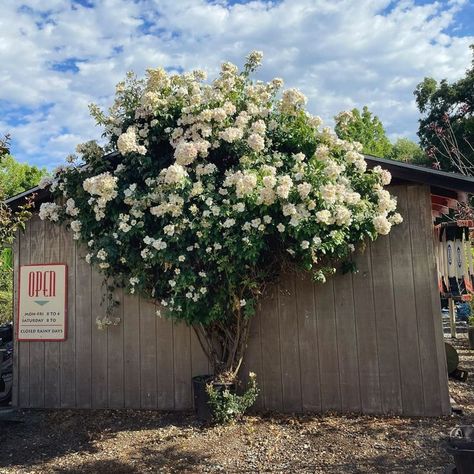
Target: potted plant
{"type": "Point", "coordinates": [210, 188]}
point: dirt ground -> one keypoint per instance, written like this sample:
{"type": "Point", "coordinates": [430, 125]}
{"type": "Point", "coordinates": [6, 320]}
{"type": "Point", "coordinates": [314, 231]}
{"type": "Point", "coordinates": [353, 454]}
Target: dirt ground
{"type": "Point", "coordinates": [145, 441]}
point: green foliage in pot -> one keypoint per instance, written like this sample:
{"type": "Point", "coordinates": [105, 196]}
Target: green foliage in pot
{"type": "Point", "coordinates": [227, 406]}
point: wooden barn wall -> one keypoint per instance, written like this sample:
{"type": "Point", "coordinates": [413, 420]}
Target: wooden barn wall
{"type": "Point", "coordinates": [368, 342]}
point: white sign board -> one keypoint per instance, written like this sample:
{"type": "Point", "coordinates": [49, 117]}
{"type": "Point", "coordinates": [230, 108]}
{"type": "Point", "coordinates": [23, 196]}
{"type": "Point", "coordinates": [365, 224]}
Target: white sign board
{"type": "Point", "coordinates": [42, 305]}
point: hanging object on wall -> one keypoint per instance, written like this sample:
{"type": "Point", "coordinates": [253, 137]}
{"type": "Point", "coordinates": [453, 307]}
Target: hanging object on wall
{"type": "Point", "coordinates": [454, 260]}
{"type": "Point", "coordinates": [42, 302]}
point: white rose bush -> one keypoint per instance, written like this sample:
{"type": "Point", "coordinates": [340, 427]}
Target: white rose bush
{"type": "Point", "coordinates": [208, 189]}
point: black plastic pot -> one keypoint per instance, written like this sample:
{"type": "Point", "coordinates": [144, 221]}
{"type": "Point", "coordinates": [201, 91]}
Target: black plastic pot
{"type": "Point", "coordinates": [461, 447]}
{"type": "Point", "coordinates": [470, 332]}
{"type": "Point", "coordinates": [463, 458]}
{"type": "Point", "coordinates": [201, 397]}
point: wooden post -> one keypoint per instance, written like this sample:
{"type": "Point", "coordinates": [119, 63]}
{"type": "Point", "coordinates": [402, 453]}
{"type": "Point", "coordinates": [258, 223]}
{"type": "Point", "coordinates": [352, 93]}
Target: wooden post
{"type": "Point", "coordinates": [452, 318]}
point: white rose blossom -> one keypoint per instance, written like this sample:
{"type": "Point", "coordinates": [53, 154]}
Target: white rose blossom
{"type": "Point", "coordinates": [127, 143]}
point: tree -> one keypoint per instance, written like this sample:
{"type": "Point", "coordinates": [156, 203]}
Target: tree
{"type": "Point", "coordinates": [14, 178]}
{"type": "Point", "coordinates": [364, 128]}
{"type": "Point", "coordinates": [17, 177]}
{"type": "Point", "coordinates": [409, 152]}
{"type": "Point", "coordinates": [6, 285]}
{"type": "Point", "coordinates": [446, 128]}
{"type": "Point", "coordinates": [213, 189]}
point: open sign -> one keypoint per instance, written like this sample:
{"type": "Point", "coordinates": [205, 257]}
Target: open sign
{"type": "Point", "coordinates": [42, 293]}
{"type": "Point", "coordinates": [42, 283]}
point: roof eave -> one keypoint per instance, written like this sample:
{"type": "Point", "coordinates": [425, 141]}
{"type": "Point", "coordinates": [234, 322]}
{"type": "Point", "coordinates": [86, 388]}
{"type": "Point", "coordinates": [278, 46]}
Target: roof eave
{"type": "Point", "coordinates": [420, 174]}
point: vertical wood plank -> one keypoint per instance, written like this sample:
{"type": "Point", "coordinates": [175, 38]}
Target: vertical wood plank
{"type": "Point", "coordinates": [199, 362]}
{"type": "Point", "coordinates": [425, 280]}
{"type": "Point", "coordinates": [253, 357]}
{"type": "Point", "coordinates": [165, 363]}
{"type": "Point", "coordinates": [36, 363]}
{"type": "Point", "coordinates": [308, 343]}
{"type": "Point", "coordinates": [68, 347]}
{"type": "Point", "coordinates": [328, 346]}
{"type": "Point", "coordinates": [84, 326]}
{"type": "Point", "coordinates": [115, 377]}
{"type": "Point", "coordinates": [182, 366]}
{"type": "Point", "coordinates": [271, 355]}
{"type": "Point", "coordinates": [99, 381]}
{"type": "Point", "coordinates": [366, 334]}
{"type": "Point", "coordinates": [347, 344]}
{"type": "Point", "coordinates": [405, 307]}
{"type": "Point", "coordinates": [386, 324]}
{"type": "Point", "coordinates": [289, 344]}
{"type": "Point", "coordinates": [148, 354]}
{"type": "Point", "coordinates": [16, 270]}
{"type": "Point", "coordinates": [23, 347]}
{"type": "Point", "coordinates": [131, 347]}
{"type": "Point", "coordinates": [52, 252]}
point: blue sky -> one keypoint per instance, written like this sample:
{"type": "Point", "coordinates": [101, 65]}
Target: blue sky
{"type": "Point", "coordinates": [58, 56]}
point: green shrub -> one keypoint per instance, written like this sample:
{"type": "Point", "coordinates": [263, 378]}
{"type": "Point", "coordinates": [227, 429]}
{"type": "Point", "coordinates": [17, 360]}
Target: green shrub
{"type": "Point", "coordinates": [6, 286]}
{"type": "Point", "coordinates": [227, 406]}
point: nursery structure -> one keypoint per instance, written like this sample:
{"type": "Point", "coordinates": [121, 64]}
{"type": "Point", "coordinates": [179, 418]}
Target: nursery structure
{"type": "Point", "coordinates": [367, 342]}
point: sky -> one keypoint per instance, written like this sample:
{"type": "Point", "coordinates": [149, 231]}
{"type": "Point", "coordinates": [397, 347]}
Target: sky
{"type": "Point", "coordinates": [58, 56]}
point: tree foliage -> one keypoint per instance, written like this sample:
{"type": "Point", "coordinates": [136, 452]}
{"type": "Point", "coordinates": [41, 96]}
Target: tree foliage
{"type": "Point", "coordinates": [14, 178]}
{"type": "Point", "coordinates": [446, 128]}
{"type": "Point", "coordinates": [17, 177]}
{"type": "Point", "coordinates": [365, 128]}
{"type": "Point", "coordinates": [409, 152]}
{"type": "Point", "coordinates": [11, 221]}
{"type": "Point", "coordinates": [6, 285]}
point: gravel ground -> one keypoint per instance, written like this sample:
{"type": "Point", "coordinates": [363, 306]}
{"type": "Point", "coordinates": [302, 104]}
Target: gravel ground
{"type": "Point", "coordinates": [145, 441]}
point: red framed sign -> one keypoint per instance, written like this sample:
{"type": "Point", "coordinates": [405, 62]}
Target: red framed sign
{"type": "Point", "coordinates": [42, 302]}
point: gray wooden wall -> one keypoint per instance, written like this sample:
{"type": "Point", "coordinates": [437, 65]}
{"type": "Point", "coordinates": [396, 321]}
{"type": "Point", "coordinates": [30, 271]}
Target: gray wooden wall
{"type": "Point", "coordinates": [369, 342]}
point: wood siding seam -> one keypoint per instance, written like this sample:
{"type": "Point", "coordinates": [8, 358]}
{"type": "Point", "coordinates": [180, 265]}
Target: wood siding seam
{"type": "Point", "coordinates": [157, 376]}
{"type": "Point", "coordinates": [261, 381]}
{"type": "Point", "coordinates": [356, 341]}
{"type": "Point", "coordinates": [190, 362]}
{"type": "Point", "coordinates": [374, 305]}
{"type": "Point", "coordinates": [123, 347]}
{"type": "Point", "coordinates": [279, 344]}
{"type": "Point", "coordinates": [337, 345]}
{"type": "Point", "coordinates": [417, 308]}
{"type": "Point", "coordinates": [396, 323]}
{"type": "Point", "coordinates": [173, 373]}
{"type": "Point", "coordinates": [396, 328]}
{"type": "Point", "coordinates": [93, 326]}
{"type": "Point", "coordinates": [298, 338]}
{"type": "Point", "coordinates": [375, 323]}
{"type": "Point", "coordinates": [316, 317]}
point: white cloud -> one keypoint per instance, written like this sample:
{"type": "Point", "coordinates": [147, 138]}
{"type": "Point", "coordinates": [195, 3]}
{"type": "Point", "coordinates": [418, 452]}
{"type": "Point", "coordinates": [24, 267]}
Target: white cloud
{"type": "Point", "coordinates": [341, 53]}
